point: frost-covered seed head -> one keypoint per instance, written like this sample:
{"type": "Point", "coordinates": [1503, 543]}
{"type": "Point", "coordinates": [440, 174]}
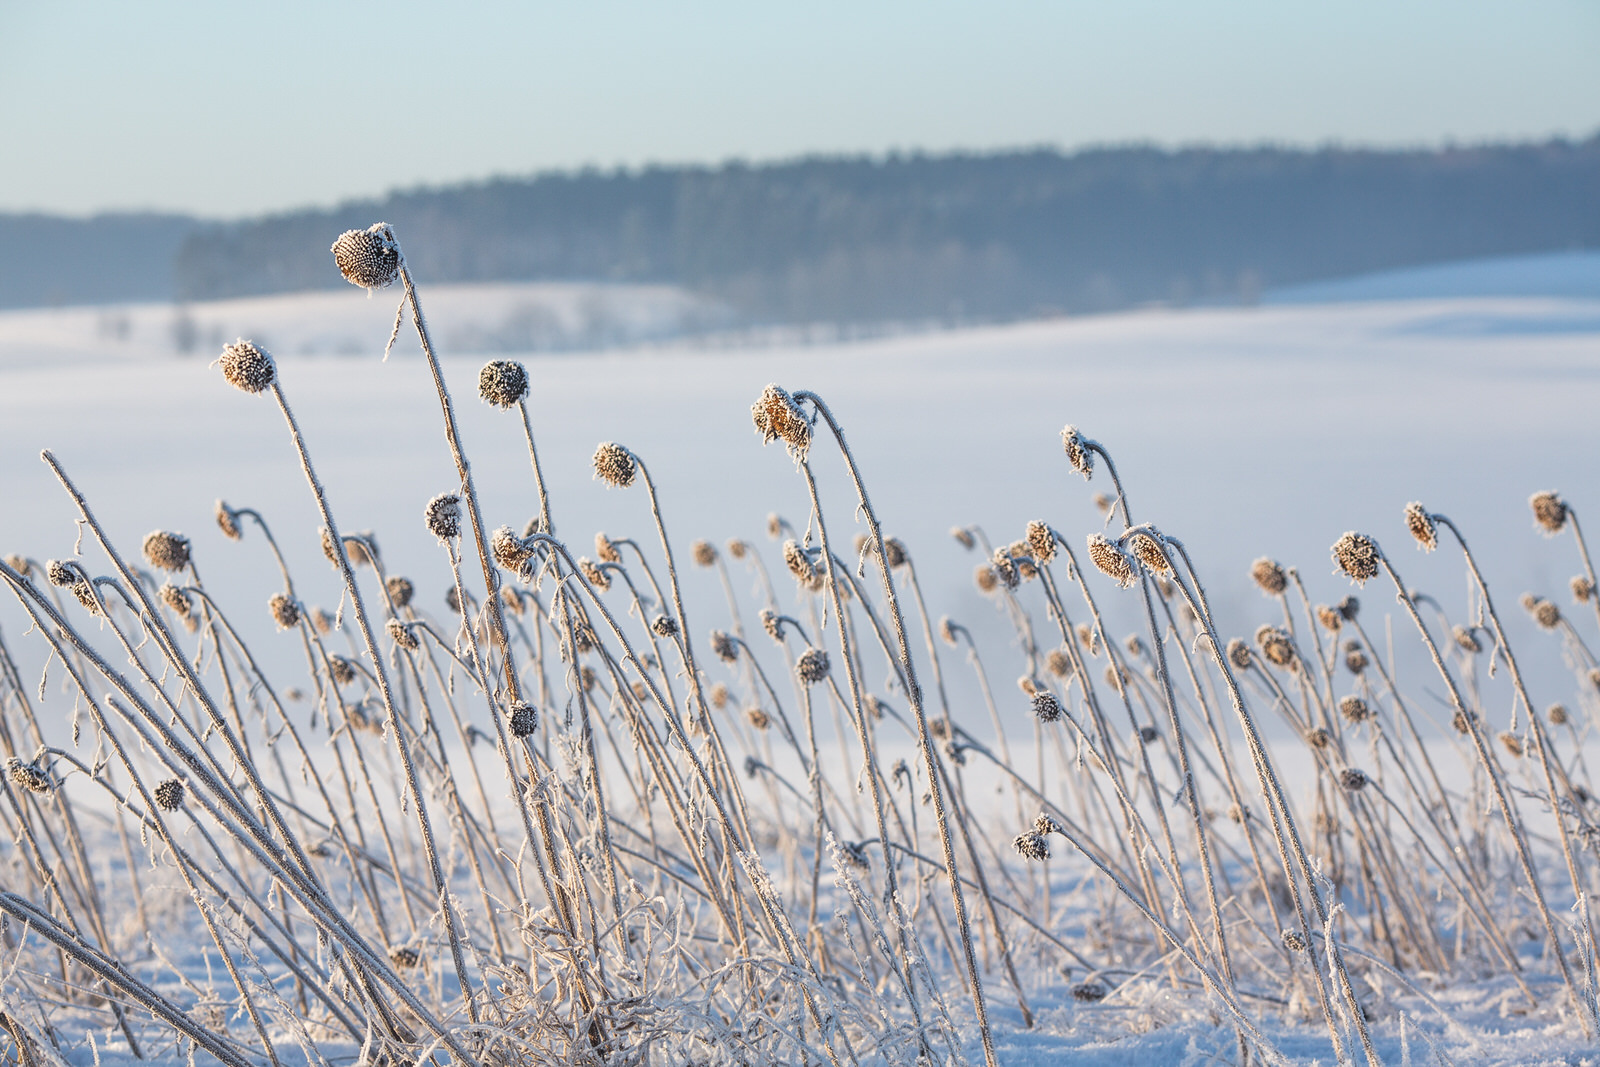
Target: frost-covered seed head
{"type": "Point", "coordinates": [758, 718]}
{"type": "Point", "coordinates": [169, 794]}
{"type": "Point", "coordinates": [1348, 608]}
{"type": "Point", "coordinates": [1058, 663]}
{"type": "Point", "coordinates": [798, 560]}
{"type": "Point", "coordinates": [29, 776]}
{"type": "Point", "coordinates": [443, 516]}
{"type": "Point", "coordinates": [665, 626]}
{"type": "Point", "coordinates": [343, 671]}
{"type": "Point", "coordinates": [1041, 541]}
{"type": "Point", "coordinates": [246, 367]}
{"type": "Point", "coordinates": [1420, 525]}
{"type": "Point", "coordinates": [84, 591]}
{"type": "Point", "coordinates": [1032, 845]}
{"type": "Point", "coordinates": [328, 551]}
{"type": "Point", "coordinates": [509, 550]}
{"type": "Point", "coordinates": [1089, 638]}
{"type": "Point", "coordinates": [1005, 568]}
{"type": "Point", "coordinates": [284, 611]}
{"type": "Point", "coordinates": [403, 634]}
{"type": "Point", "coordinates": [503, 383]}
{"type": "Point", "coordinates": [718, 694]}
{"type": "Point", "coordinates": [369, 258]}
{"type": "Point", "coordinates": [1354, 709]}
{"type": "Point", "coordinates": [1318, 738]}
{"type": "Point", "coordinates": [1355, 657]}
{"type": "Point", "coordinates": [778, 417]}
{"type": "Point", "coordinates": [1239, 654]}
{"type": "Point", "coordinates": [963, 537]}
{"type": "Point", "coordinates": [1549, 512]}
{"type": "Point", "coordinates": [1078, 452]}
{"type": "Point", "coordinates": [1270, 576]}
{"type": "Point", "coordinates": [854, 855]}
{"type": "Point", "coordinates": [1357, 556]}
{"type": "Point", "coordinates": [894, 553]}
{"type": "Point", "coordinates": [1512, 743]}
{"type": "Point", "coordinates": [704, 552]}
{"type": "Point", "coordinates": [1582, 589]}
{"type": "Point", "coordinates": [986, 578]}
{"type": "Point", "coordinates": [1352, 780]}
{"type": "Point", "coordinates": [615, 465]}
{"type": "Point", "coordinates": [1111, 561]}
{"type": "Point", "coordinates": [1546, 614]}
{"type": "Point", "coordinates": [813, 666]}
{"type": "Point", "coordinates": [772, 622]}
{"type": "Point", "coordinates": [725, 648]}
{"type": "Point", "coordinates": [228, 522]}
{"type": "Point", "coordinates": [1044, 824]}
{"type": "Point", "coordinates": [524, 719]}
{"type": "Point", "coordinates": [1330, 618]}
{"type": "Point", "coordinates": [1151, 556]}
{"type": "Point", "coordinates": [1461, 722]}
{"type": "Point", "coordinates": [166, 551]}
{"type": "Point", "coordinates": [1276, 646]}
{"type": "Point", "coordinates": [738, 549]}
{"type": "Point", "coordinates": [1293, 940]}
{"type": "Point", "coordinates": [400, 590]}
{"type": "Point", "coordinates": [606, 549]}
{"type": "Point", "coordinates": [1089, 992]}
{"type": "Point", "coordinates": [1466, 639]}
{"type": "Point", "coordinates": [405, 957]}
{"type": "Point", "coordinates": [62, 574]}
{"type": "Point", "coordinates": [1557, 714]}
{"type": "Point", "coordinates": [175, 598]}
{"type": "Point", "coordinates": [1046, 708]}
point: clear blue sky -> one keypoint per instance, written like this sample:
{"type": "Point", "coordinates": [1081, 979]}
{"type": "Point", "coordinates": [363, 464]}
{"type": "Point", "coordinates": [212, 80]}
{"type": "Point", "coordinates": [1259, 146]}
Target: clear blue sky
{"type": "Point", "coordinates": [230, 108]}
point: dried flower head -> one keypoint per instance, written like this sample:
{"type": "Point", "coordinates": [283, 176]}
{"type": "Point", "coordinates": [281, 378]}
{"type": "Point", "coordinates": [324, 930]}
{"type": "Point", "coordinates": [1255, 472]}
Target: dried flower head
{"type": "Point", "coordinates": [1318, 738]}
{"type": "Point", "coordinates": [1357, 556]}
{"type": "Point", "coordinates": [1557, 714]}
{"type": "Point", "coordinates": [180, 602]}
{"type": "Point", "coordinates": [322, 621]}
{"type": "Point", "coordinates": [854, 854]}
{"type": "Point", "coordinates": [1354, 709]}
{"type": "Point", "coordinates": [1355, 657]}
{"type": "Point", "coordinates": [738, 549]}
{"type": "Point", "coordinates": [813, 666]}
{"type": "Point", "coordinates": [524, 719]}
{"type": "Point", "coordinates": [1041, 541]}
{"type": "Point", "coordinates": [1103, 503]}
{"type": "Point", "coordinates": [1549, 512]}
{"type": "Point", "coordinates": [1466, 639]}
{"type": "Point", "coordinates": [285, 612]}
{"type": "Point", "coordinates": [503, 383]}
{"type": "Point", "coordinates": [343, 671]}
{"type": "Point", "coordinates": [1058, 663]}
{"type": "Point", "coordinates": [798, 560]}
{"type": "Point", "coordinates": [400, 590]}
{"type": "Point", "coordinates": [1330, 618]}
{"type": "Point", "coordinates": [1582, 589]}
{"type": "Point", "coordinates": [1461, 722]}
{"type": "Point", "coordinates": [1078, 452]}
{"type": "Point", "coordinates": [361, 548]}
{"type": "Point", "coordinates": [228, 522]}
{"type": "Point", "coordinates": [404, 957]}
{"type": "Point", "coordinates": [1111, 560]}
{"type": "Point", "coordinates": [1148, 551]}
{"type": "Point", "coordinates": [166, 551]}
{"type": "Point", "coordinates": [1293, 940]}
{"type": "Point", "coordinates": [1276, 646]}
{"type": "Point", "coordinates": [1512, 743]}
{"type": "Point", "coordinates": [704, 553]}
{"type": "Point", "coordinates": [1046, 708]}
{"type": "Point", "coordinates": [168, 795]}
{"type": "Point", "coordinates": [1134, 645]}
{"type": "Point", "coordinates": [1270, 576]}
{"type": "Point", "coordinates": [988, 581]}
{"type": "Point", "coordinates": [509, 550]}
{"type": "Point", "coordinates": [369, 258]}
{"type": "Point", "coordinates": [719, 695]}
{"type": "Point", "coordinates": [778, 417]}
{"type": "Point", "coordinates": [443, 516]}
{"type": "Point", "coordinates": [615, 465]}
{"type": "Point", "coordinates": [1420, 524]}
{"type": "Point", "coordinates": [1117, 677]}
{"type": "Point", "coordinates": [724, 646]}
{"type": "Point", "coordinates": [664, 626]}
{"type": "Point", "coordinates": [1032, 845]}
{"type": "Point", "coordinates": [772, 622]}
{"type": "Point", "coordinates": [403, 634]}
{"type": "Point", "coordinates": [246, 367]}
{"type": "Point", "coordinates": [512, 601]}
{"type": "Point", "coordinates": [1089, 992]}
{"type": "Point", "coordinates": [758, 718]}
{"type": "Point", "coordinates": [1352, 780]}
{"type": "Point", "coordinates": [595, 573]}
{"type": "Point", "coordinates": [894, 552]}
{"type": "Point", "coordinates": [1546, 614]}
{"type": "Point", "coordinates": [29, 776]}
{"type": "Point", "coordinates": [606, 549]}
{"type": "Point", "coordinates": [1005, 568]}
{"type": "Point", "coordinates": [963, 537]}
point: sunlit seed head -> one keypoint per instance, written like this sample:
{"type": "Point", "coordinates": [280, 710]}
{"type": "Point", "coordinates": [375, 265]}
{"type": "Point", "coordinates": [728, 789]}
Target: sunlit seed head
{"type": "Point", "coordinates": [704, 553]}
{"type": "Point", "coordinates": [343, 671]}
{"type": "Point", "coordinates": [369, 258]}
{"type": "Point", "coordinates": [509, 550]}
{"type": "Point", "coordinates": [1582, 589]}
{"type": "Point", "coordinates": [1461, 722]}
{"type": "Point", "coordinates": [84, 592]}
{"type": "Point", "coordinates": [1549, 512]}
{"type": "Point", "coordinates": [1466, 639]}
{"type": "Point", "coordinates": [1357, 556]}
{"type": "Point", "coordinates": [1330, 618]}
{"type": "Point", "coordinates": [772, 622]}
{"type": "Point", "coordinates": [1354, 709]}
{"type": "Point", "coordinates": [400, 590]}
{"type": "Point", "coordinates": [1270, 576]}
{"type": "Point", "coordinates": [166, 551]}
{"type": "Point", "coordinates": [963, 537]}
{"type": "Point", "coordinates": [798, 560]}
{"type": "Point", "coordinates": [1557, 714]}
{"type": "Point", "coordinates": [228, 522]}
{"type": "Point", "coordinates": [1005, 567]}
{"type": "Point", "coordinates": [778, 417]}
{"type": "Point", "coordinates": [1041, 541]}
{"type": "Point", "coordinates": [1117, 677]}
{"type": "Point", "coordinates": [180, 602]}
{"type": "Point", "coordinates": [1032, 845]}
{"type": "Point", "coordinates": [775, 525]}
{"type": "Point", "coordinates": [247, 367]}
{"type": "Point", "coordinates": [1078, 452]}
{"type": "Point", "coordinates": [724, 646]}
{"type": "Point", "coordinates": [168, 795]}
{"type": "Point", "coordinates": [1089, 638]}
{"type": "Point", "coordinates": [503, 383]}
{"type": "Point", "coordinates": [1527, 600]}
{"type": "Point", "coordinates": [1512, 744]}
{"type": "Point", "coordinates": [1151, 556]}
{"type": "Point", "coordinates": [1111, 561]}
{"type": "Point", "coordinates": [322, 621]}
{"type": "Point", "coordinates": [29, 776]}
{"type": "Point", "coordinates": [1546, 614]}
{"type": "Point", "coordinates": [813, 666]}
{"type": "Point", "coordinates": [404, 957]}
{"type": "Point", "coordinates": [284, 611]}
{"type": "Point", "coordinates": [615, 465]}
{"type": "Point", "coordinates": [1293, 940]}
{"type": "Point", "coordinates": [1420, 525]}
{"type": "Point", "coordinates": [1058, 663]}
{"type": "Point", "coordinates": [665, 626]}
{"type": "Point", "coordinates": [443, 516]}
{"type": "Point", "coordinates": [986, 578]}
{"type": "Point", "coordinates": [947, 630]}
{"type": "Point", "coordinates": [1276, 646]}
{"type": "Point", "coordinates": [1046, 708]}
{"type": "Point", "coordinates": [403, 634]}
{"type": "Point", "coordinates": [524, 719]}
{"type": "Point", "coordinates": [1239, 654]}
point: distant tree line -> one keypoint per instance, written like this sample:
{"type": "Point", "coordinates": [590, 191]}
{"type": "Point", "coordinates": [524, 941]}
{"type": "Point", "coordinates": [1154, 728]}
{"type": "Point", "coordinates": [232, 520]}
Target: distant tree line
{"type": "Point", "coordinates": [953, 237]}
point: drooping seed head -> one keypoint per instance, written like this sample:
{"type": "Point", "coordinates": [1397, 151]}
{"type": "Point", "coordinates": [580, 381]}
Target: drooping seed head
{"type": "Point", "coordinates": [166, 551]}
{"type": "Point", "coordinates": [1557, 714]}
{"type": "Point", "coordinates": [1276, 646]}
{"type": "Point", "coordinates": [988, 581]}
{"type": "Point", "coordinates": [343, 671]}
{"type": "Point", "coordinates": [1046, 708]}
{"type": "Point", "coordinates": [168, 795]}
{"type": "Point", "coordinates": [1512, 743]}
{"type": "Point", "coordinates": [400, 590]}
{"type": "Point", "coordinates": [403, 634]}
{"type": "Point", "coordinates": [503, 383]}
{"type": "Point", "coordinates": [894, 553]}
{"type": "Point", "coordinates": [1134, 646]}
{"type": "Point", "coordinates": [615, 465]}
{"type": "Point", "coordinates": [1357, 556]}
{"type": "Point", "coordinates": [1582, 589]}
{"type": "Point", "coordinates": [704, 553]}
{"type": "Point", "coordinates": [19, 564]}
{"type": "Point", "coordinates": [724, 646]}
{"type": "Point", "coordinates": [1420, 525]}
{"type": "Point", "coordinates": [443, 516]}
{"type": "Point", "coordinates": [1546, 614]}
{"type": "Point", "coordinates": [1005, 567]}
{"type": "Point", "coordinates": [369, 258]}
{"type": "Point", "coordinates": [180, 602]}
{"type": "Point", "coordinates": [1111, 560]}
{"type": "Point", "coordinates": [947, 630]}
{"type": "Point", "coordinates": [228, 522]}
{"type": "Point", "coordinates": [1032, 845]}
{"type": "Point", "coordinates": [1352, 780]}
{"type": "Point", "coordinates": [798, 560]}
{"type": "Point", "coordinates": [854, 854]}
{"type": "Point", "coordinates": [511, 600]}
{"type": "Point", "coordinates": [509, 550]}
{"type": "Point", "coordinates": [1549, 512]}
{"type": "Point", "coordinates": [813, 666]}
{"type": "Point", "coordinates": [322, 621]}
{"type": "Point", "coordinates": [738, 549]}
{"type": "Point", "coordinates": [1462, 722]}
{"type": "Point", "coordinates": [1151, 556]}
{"type": "Point", "coordinates": [963, 537]}
{"type": "Point", "coordinates": [778, 417]}
{"type": "Point", "coordinates": [1270, 576]}
{"type": "Point", "coordinates": [718, 694]}
{"type": "Point", "coordinates": [29, 776]}
{"type": "Point", "coordinates": [1104, 502]}
{"type": "Point", "coordinates": [1354, 709]}
{"type": "Point", "coordinates": [772, 622]}
{"type": "Point", "coordinates": [284, 611]}
{"type": "Point", "coordinates": [775, 525]}
{"type": "Point", "coordinates": [1078, 452]}
{"type": "Point", "coordinates": [665, 626]}
{"type": "Point", "coordinates": [328, 551]}
{"type": "Point", "coordinates": [1089, 638]}
{"type": "Point", "coordinates": [63, 573]}
{"type": "Point", "coordinates": [1466, 639]}
{"type": "Point", "coordinates": [1041, 541]}
{"type": "Point", "coordinates": [524, 719]}
{"type": "Point", "coordinates": [246, 367]}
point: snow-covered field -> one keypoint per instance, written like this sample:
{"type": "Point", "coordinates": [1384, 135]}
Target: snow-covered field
{"type": "Point", "coordinates": [1244, 432]}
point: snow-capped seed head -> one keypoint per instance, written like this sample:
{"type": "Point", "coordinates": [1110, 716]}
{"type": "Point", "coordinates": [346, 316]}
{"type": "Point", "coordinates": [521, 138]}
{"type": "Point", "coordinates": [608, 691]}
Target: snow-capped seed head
{"type": "Point", "coordinates": [403, 634]}
{"type": "Point", "coordinates": [509, 550]}
{"type": "Point", "coordinates": [758, 718]}
{"type": "Point", "coordinates": [443, 516]}
{"type": "Point", "coordinates": [1420, 525]}
{"type": "Point", "coordinates": [724, 646]}
{"type": "Point", "coordinates": [1270, 576]}
{"type": "Point", "coordinates": [404, 957]}
{"type": "Point", "coordinates": [988, 581]}
{"type": "Point", "coordinates": [1058, 663]}
{"type": "Point", "coordinates": [1045, 825]}
{"type": "Point", "coordinates": [1111, 560]}
{"type": "Point", "coordinates": [1078, 452]}
{"type": "Point", "coordinates": [247, 367]}
{"type": "Point", "coordinates": [1330, 618]}
{"type": "Point", "coordinates": [1041, 541]}
{"type": "Point", "coordinates": [1549, 511]}
{"type": "Point", "coordinates": [1046, 708]}
{"type": "Point", "coordinates": [1582, 589]}
{"type": "Point", "coordinates": [1352, 780]}
{"type": "Point", "coordinates": [1293, 940]}
{"type": "Point", "coordinates": [228, 522]}
{"type": "Point", "coordinates": [1151, 556]}
{"type": "Point", "coordinates": [166, 551]}
{"type": "Point", "coordinates": [503, 382]}
{"type": "Point", "coordinates": [1089, 992]}
{"type": "Point", "coordinates": [615, 465]}
{"type": "Point", "coordinates": [606, 549]}
{"type": "Point", "coordinates": [595, 573]}
{"type": "Point", "coordinates": [704, 553]}
{"type": "Point", "coordinates": [169, 794]}
{"type": "Point", "coordinates": [176, 599]}
{"type": "Point", "coordinates": [1276, 646]}
{"type": "Point", "coordinates": [1357, 556]}
{"type": "Point", "coordinates": [1354, 709]}
{"type": "Point", "coordinates": [63, 573]}
{"type": "Point", "coordinates": [1355, 657]}
{"type": "Point", "coordinates": [1512, 743]}
{"type": "Point", "coordinates": [1031, 845]}
{"type": "Point", "coordinates": [343, 671]}
{"type": "Point", "coordinates": [1005, 567]}
{"type": "Point", "coordinates": [29, 776]}
{"type": "Point", "coordinates": [665, 626]}
{"type": "Point", "coordinates": [1239, 654]}
{"type": "Point", "coordinates": [798, 560]}
{"type": "Point", "coordinates": [963, 537]}
{"type": "Point", "coordinates": [1557, 714]}
{"type": "Point", "coordinates": [369, 258]}
{"type": "Point", "coordinates": [813, 666]}
{"type": "Point", "coordinates": [400, 590]}
{"type": "Point", "coordinates": [1546, 614]}
{"type": "Point", "coordinates": [524, 719]}
{"type": "Point", "coordinates": [778, 417]}
{"type": "Point", "coordinates": [284, 611]}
